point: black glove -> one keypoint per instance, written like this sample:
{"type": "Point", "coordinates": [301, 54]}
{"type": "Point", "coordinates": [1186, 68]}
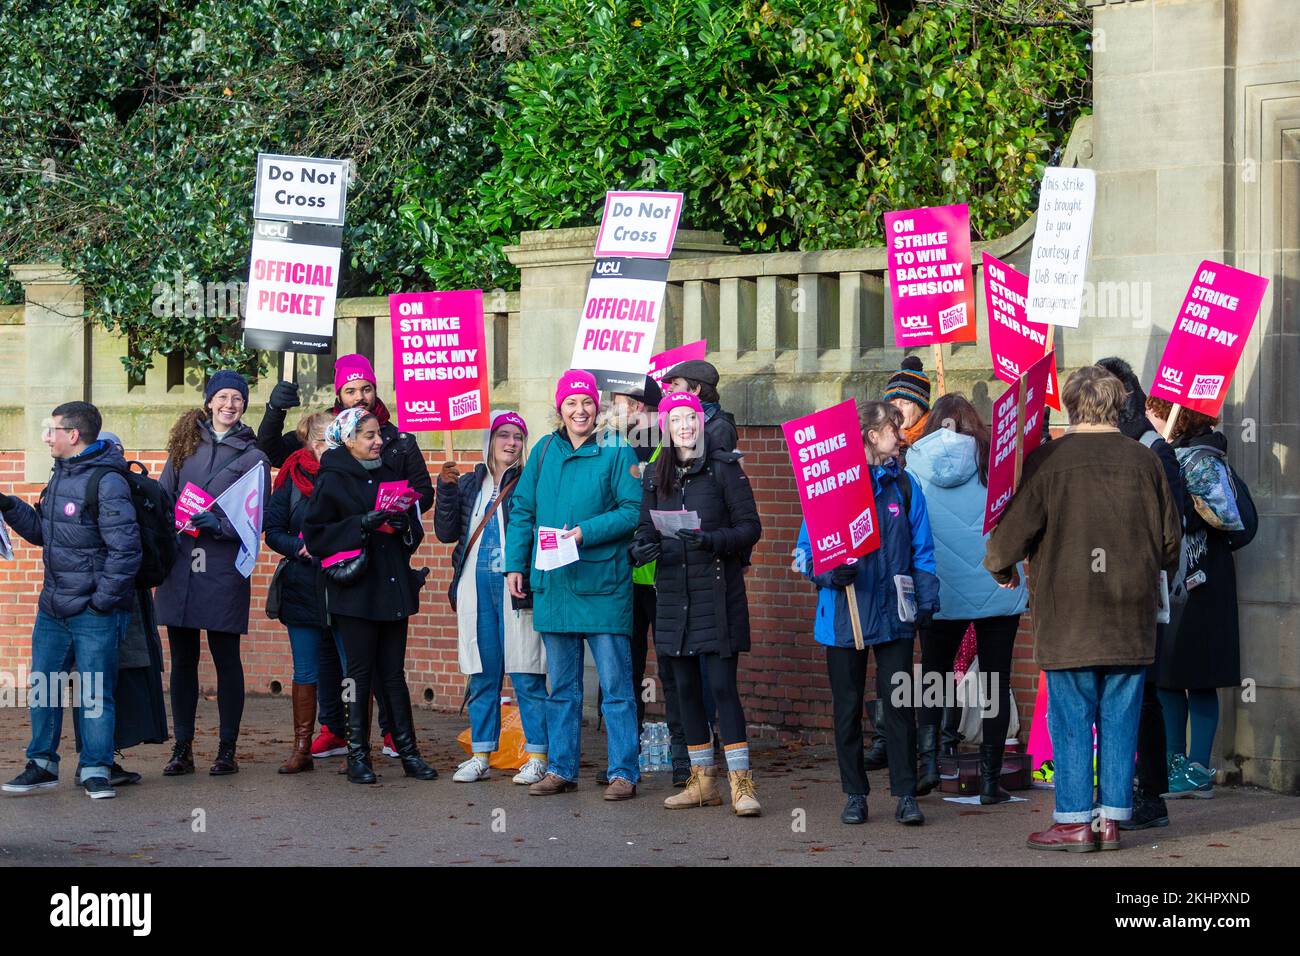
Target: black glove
{"type": "Point", "coordinates": [7, 503]}
{"type": "Point", "coordinates": [644, 550]}
{"type": "Point", "coordinates": [399, 521]}
{"type": "Point", "coordinates": [924, 618]}
{"type": "Point", "coordinates": [285, 396]}
{"type": "Point", "coordinates": [844, 575]}
{"type": "Point", "coordinates": [206, 521]}
{"type": "Point", "coordinates": [373, 519]}
{"type": "Point", "coordinates": [695, 539]}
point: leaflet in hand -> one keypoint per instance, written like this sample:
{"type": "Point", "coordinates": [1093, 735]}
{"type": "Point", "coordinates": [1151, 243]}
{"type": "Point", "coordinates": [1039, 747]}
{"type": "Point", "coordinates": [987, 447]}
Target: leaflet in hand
{"type": "Point", "coordinates": [394, 496]}
{"type": "Point", "coordinates": [668, 523]}
{"type": "Point", "coordinates": [6, 547]}
{"type": "Point", "coordinates": [906, 597]}
{"type": "Point", "coordinates": [1162, 601]}
{"type": "Point", "coordinates": [553, 549]}
{"type": "Point", "coordinates": [190, 502]}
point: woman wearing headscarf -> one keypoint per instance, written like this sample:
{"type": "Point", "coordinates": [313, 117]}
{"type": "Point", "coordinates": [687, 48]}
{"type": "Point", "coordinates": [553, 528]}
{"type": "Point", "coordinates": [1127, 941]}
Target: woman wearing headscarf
{"type": "Point", "coordinates": [371, 590]}
{"type": "Point", "coordinates": [210, 448]}
{"type": "Point", "coordinates": [494, 638]}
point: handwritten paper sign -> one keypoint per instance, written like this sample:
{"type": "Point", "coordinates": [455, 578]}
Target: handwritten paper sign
{"type": "Point", "coordinates": [1059, 258]}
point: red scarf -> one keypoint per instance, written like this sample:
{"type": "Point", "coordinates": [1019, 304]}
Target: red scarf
{"type": "Point", "coordinates": [301, 466]}
{"type": "Point", "coordinates": [379, 410]}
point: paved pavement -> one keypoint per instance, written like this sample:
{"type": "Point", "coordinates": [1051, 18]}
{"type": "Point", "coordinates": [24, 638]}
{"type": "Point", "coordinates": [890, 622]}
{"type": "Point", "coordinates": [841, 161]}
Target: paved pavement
{"type": "Point", "coordinates": [258, 817]}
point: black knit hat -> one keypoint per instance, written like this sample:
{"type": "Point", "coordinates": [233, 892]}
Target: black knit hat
{"type": "Point", "coordinates": [910, 382]}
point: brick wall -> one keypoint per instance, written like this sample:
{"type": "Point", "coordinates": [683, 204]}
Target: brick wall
{"type": "Point", "coordinates": [782, 680]}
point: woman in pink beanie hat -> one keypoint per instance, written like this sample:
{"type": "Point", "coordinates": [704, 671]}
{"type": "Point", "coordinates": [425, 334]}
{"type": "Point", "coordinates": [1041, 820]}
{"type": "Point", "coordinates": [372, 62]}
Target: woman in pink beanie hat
{"type": "Point", "coordinates": [583, 489]}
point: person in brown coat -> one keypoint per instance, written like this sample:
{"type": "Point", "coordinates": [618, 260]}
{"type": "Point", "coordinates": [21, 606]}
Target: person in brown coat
{"type": "Point", "coordinates": [1096, 520]}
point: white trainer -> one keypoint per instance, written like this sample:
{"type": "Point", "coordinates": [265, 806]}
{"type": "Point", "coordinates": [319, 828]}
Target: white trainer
{"type": "Point", "coordinates": [471, 771]}
{"type": "Point", "coordinates": [531, 772]}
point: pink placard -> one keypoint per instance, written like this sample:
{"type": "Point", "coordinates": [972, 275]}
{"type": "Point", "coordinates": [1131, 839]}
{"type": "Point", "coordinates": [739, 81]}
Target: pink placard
{"type": "Point", "coordinates": [834, 482]}
{"type": "Point", "coordinates": [439, 360]}
{"type": "Point", "coordinates": [1014, 341]}
{"type": "Point", "coordinates": [1002, 459]}
{"type": "Point", "coordinates": [1205, 345]}
{"type": "Point", "coordinates": [931, 284]}
{"type": "Point", "coordinates": [190, 502]}
{"type": "Point", "coordinates": [662, 362]}
{"type": "Point", "coordinates": [1002, 453]}
{"type": "Point", "coordinates": [638, 225]}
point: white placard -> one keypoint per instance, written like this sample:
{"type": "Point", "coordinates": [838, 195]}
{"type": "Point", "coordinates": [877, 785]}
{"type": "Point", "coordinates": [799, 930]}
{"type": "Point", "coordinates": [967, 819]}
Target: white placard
{"type": "Point", "coordinates": [301, 189]}
{"type": "Point", "coordinates": [616, 333]}
{"type": "Point", "coordinates": [292, 287]}
{"type": "Point", "coordinates": [241, 503]}
{"type": "Point", "coordinates": [638, 225]}
{"type": "Point", "coordinates": [1060, 255]}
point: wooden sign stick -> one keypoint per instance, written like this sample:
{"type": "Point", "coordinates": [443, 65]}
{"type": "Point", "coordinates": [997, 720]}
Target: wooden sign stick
{"type": "Point", "coordinates": [447, 445]}
{"type": "Point", "coordinates": [938, 368]}
{"type": "Point", "coordinates": [852, 594]}
{"type": "Point", "coordinates": [289, 366]}
{"type": "Point", "coordinates": [1171, 422]}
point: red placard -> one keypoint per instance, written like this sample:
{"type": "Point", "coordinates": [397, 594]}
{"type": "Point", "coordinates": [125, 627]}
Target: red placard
{"type": "Point", "coordinates": [1014, 342]}
{"type": "Point", "coordinates": [834, 482]}
{"type": "Point", "coordinates": [439, 360]}
{"type": "Point", "coordinates": [1205, 345]}
{"type": "Point", "coordinates": [1006, 433]}
{"type": "Point", "coordinates": [931, 284]}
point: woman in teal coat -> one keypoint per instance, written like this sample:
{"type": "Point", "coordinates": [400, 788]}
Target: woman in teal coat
{"type": "Point", "coordinates": [588, 488]}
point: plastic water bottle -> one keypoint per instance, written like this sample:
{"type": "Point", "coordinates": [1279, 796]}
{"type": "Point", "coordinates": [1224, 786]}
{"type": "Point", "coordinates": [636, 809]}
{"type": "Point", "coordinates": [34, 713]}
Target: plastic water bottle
{"type": "Point", "coordinates": [661, 747]}
{"type": "Point", "coordinates": [646, 756]}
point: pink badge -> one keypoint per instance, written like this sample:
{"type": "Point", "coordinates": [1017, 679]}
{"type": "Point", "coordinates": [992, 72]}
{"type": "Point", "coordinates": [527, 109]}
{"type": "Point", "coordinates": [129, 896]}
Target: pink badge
{"type": "Point", "coordinates": [70, 509]}
{"type": "Point", "coordinates": [894, 510]}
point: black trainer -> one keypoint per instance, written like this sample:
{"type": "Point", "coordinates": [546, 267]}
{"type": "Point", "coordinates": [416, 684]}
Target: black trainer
{"type": "Point", "coordinates": [35, 777]}
{"type": "Point", "coordinates": [908, 813]}
{"type": "Point", "coordinates": [119, 776]}
{"type": "Point", "coordinates": [855, 811]}
{"type": "Point", "coordinates": [98, 788]}
{"type": "Point", "coordinates": [1146, 813]}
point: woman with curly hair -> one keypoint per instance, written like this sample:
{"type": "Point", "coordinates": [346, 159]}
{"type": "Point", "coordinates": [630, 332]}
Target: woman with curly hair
{"type": "Point", "coordinates": [210, 448]}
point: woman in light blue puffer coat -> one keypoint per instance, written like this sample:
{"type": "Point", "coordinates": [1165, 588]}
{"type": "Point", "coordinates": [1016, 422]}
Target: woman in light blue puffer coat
{"type": "Point", "coordinates": [950, 463]}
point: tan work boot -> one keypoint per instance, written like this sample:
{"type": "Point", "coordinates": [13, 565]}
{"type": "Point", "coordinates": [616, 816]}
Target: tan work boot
{"type": "Point", "coordinates": [743, 800]}
{"type": "Point", "coordinates": [701, 791]}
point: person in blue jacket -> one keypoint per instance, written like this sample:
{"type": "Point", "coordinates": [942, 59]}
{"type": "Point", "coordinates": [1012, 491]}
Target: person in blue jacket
{"type": "Point", "coordinates": [905, 549]}
{"type": "Point", "coordinates": [950, 463]}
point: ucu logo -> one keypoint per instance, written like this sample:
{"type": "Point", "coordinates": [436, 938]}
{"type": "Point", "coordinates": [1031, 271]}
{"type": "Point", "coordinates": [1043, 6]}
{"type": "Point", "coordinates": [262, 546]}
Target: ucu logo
{"type": "Point", "coordinates": [421, 406]}
{"type": "Point", "coordinates": [914, 322]}
{"type": "Point", "coordinates": [609, 267]}
{"type": "Point", "coordinates": [1172, 376]}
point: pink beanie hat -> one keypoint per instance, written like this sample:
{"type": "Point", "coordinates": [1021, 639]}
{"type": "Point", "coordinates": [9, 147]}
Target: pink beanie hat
{"type": "Point", "coordinates": [350, 368]}
{"type": "Point", "coordinates": [678, 400]}
{"type": "Point", "coordinates": [576, 381]}
{"type": "Point", "coordinates": [508, 418]}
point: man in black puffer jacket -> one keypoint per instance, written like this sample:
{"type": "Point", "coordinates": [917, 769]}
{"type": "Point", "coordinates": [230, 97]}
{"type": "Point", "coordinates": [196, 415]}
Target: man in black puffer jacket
{"type": "Point", "coordinates": [91, 562]}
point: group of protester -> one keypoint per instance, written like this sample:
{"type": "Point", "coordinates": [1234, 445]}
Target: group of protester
{"type": "Point", "coordinates": [345, 588]}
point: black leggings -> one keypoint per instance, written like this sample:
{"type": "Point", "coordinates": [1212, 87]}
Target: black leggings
{"type": "Point", "coordinates": [690, 697]}
{"type": "Point", "coordinates": [994, 639]}
{"type": "Point", "coordinates": [184, 643]}
{"type": "Point", "coordinates": [329, 691]}
{"type": "Point", "coordinates": [376, 662]}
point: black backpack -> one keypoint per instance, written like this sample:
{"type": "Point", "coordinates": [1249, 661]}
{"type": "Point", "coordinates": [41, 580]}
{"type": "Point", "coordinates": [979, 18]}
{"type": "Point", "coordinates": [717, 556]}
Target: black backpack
{"type": "Point", "coordinates": [155, 510]}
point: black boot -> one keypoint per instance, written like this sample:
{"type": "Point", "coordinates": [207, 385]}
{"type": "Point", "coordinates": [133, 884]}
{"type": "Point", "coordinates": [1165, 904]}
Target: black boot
{"type": "Point", "coordinates": [876, 757]}
{"type": "Point", "coordinates": [225, 762]}
{"type": "Point", "coordinates": [399, 711]}
{"type": "Point", "coordinates": [182, 761]}
{"type": "Point", "coordinates": [991, 774]}
{"type": "Point", "coordinates": [358, 765]}
{"type": "Point", "coordinates": [950, 735]}
{"type": "Point", "coordinates": [927, 759]}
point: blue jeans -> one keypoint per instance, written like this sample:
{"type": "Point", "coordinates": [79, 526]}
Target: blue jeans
{"type": "Point", "coordinates": [613, 654]}
{"type": "Point", "coordinates": [305, 643]}
{"type": "Point", "coordinates": [1109, 698]}
{"type": "Point", "coordinates": [485, 686]}
{"type": "Point", "coordinates": [91, 639]}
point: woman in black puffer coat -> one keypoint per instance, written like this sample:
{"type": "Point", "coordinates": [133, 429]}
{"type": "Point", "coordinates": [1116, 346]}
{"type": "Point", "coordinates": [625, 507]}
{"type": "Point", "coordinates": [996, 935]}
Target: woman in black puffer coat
{"type": "Point", "coordinates": [702, 615]}
{"type": "Point", "coordinates": [370, 613]}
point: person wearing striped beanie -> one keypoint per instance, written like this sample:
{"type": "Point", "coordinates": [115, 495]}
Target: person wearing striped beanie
{"type": "Point", "coordinates": [909, 391]}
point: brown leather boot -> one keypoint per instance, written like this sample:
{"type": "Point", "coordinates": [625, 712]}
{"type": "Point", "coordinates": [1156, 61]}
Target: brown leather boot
{"type": "Point", "coordinates": [1071, 837]}
{"type": "Point", "coordinates": [304, 721]}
